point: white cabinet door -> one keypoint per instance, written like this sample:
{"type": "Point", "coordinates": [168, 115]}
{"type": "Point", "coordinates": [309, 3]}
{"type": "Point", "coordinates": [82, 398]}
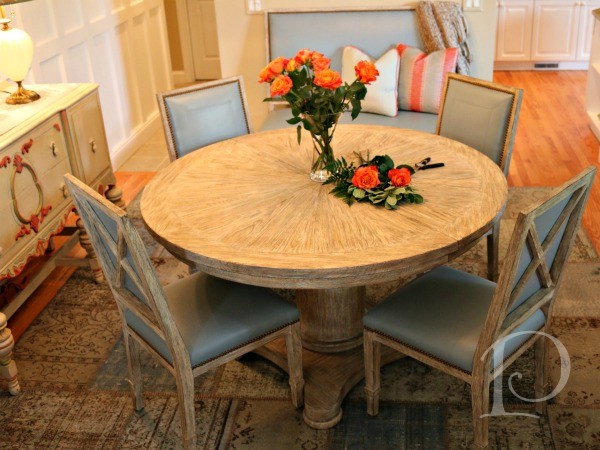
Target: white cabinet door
{"type": "Point", "coordinates": [515, 21]}
{"type": "Point", "coordinates": [555, 30]}
{"type": "Point", "coordinates": [586, 28]}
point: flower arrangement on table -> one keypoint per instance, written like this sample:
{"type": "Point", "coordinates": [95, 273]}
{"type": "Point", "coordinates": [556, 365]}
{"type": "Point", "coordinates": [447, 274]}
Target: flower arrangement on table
{"type": "Point", "coordinates": [317, 96]}
{"type": "Point", "coordinates": [376, 180]}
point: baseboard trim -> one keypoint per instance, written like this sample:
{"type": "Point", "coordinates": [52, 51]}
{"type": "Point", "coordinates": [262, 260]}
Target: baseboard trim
{"type": "Point", "coordinates": [530, 65]}
{"type": "Point", "coordinates": [138, 137]}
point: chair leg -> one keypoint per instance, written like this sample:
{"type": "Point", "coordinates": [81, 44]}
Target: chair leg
{"type": "Point", "coordinates": [132, 348]}
{"type": "Point", "coordinates": [185, 394]}
{"type": "Point", "coordinates": [540, 375]}
{"type": "Point", "coordinates": [293, 344]}
{"type": "Point", "coordinates": [493, 249]}
{"type": "Point", "coordinates": [480, 400]}
{"type": "Point", "coordinates": [372, 349]}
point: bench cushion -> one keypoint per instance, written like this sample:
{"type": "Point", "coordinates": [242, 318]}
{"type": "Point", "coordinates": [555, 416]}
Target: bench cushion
{"type": "Point", "coordinates": [405, 119]}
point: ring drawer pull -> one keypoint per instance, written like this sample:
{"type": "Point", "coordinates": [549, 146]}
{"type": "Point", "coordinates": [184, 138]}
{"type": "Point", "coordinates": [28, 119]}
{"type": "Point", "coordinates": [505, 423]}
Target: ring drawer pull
{"type": "Point", "coordinates": [65, 190]}
{"type": "Point", "coordinates": [53, 148]}
{"type": "Point", "coordinates": [93, 145]}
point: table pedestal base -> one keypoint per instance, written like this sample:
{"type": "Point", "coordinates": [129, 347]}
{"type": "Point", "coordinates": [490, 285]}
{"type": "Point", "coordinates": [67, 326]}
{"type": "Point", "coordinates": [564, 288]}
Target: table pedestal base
{"type": "Point", "coordinates": [331, 319]}
{"type": "Point", "coordinates": [328, 378]}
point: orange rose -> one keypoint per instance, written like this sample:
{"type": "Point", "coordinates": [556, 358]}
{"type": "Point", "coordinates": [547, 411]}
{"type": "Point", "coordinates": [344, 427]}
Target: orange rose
{"type": "Point", "coordinates": [319, 61]}
{"type": "Point", "coordinates": [291, 65]}
{"type": "Point", "coordinates": [265, 75]}
{"type": "Point", "coordinates": [366, 177]}
{"type": "Point", "coordinates": [328, 79]}
{"type": "Point", "coordinates": [281, 85]}
{"type": "Point", "coordinates": [272, 69]}
{"type": "Point", "coordinates": [399, 177]}
{"type": "Point", "coordinates": [366, 72]}
{"type": "Point", "coordinates": [303, 55]}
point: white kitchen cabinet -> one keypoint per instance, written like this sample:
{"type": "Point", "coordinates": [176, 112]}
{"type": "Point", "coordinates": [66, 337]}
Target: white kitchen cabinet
{"type": "Point", "coordinates": [592, 95]}
{"type": "Point", "coordinates": [586, 28]}
{"type": "Point", "coordinates": [513, 42]}
{"type": "Point", "coordinates": [553, 34]}
{"type": "Point", "coordinates": [555, 30]}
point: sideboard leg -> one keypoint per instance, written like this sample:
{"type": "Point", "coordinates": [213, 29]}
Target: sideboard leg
{"type": "Point", "coordinates": [84, 241]}
{"type": "Point", "coordinates": [8, 368]}
{"type": "Point", "coordinates": [114, 194]}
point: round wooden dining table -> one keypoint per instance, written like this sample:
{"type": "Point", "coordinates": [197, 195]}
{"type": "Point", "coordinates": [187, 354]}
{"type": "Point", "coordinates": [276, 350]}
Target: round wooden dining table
{"type": "Point", "coordinates": [246, 210]}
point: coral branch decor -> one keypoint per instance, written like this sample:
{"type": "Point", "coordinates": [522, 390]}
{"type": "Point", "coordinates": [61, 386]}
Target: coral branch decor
{"type": "Point", "coordinates": [375, 180]}
{"type": "Point", "coordinates": [317, 96]}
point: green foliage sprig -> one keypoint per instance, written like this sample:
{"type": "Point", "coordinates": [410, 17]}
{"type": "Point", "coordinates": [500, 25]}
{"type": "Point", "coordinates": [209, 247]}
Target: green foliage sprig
{"type": "Point", "coordinates": [391, 191]}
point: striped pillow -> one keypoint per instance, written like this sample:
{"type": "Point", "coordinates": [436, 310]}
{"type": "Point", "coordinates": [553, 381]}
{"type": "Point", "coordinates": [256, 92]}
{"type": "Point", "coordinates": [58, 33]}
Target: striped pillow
{"type": "Point", "coordinates": [422, 77]}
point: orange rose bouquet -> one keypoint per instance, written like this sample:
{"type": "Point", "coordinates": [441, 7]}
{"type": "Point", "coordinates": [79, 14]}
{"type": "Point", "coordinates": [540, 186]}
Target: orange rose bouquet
{"type": "Point", "coordinates": [317, 96]}
{"type": "Point", "coordinates": [376, 180]}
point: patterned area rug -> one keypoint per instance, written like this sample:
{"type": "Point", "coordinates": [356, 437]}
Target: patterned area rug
{"type": "Point", "coordinates": [73, 372]}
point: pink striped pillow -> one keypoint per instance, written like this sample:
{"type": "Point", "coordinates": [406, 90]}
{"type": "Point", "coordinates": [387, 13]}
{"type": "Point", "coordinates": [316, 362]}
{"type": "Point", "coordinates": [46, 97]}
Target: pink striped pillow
{"type": "Point", "coordinates": [422, 77]}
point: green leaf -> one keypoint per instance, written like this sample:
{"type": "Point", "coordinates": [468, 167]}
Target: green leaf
{"type": "Point", "coordinates": [361, 92]}
{"type": "Point", "coordinates": [358, 193]}
{"type": "Point", "coordinates": [356, 108]}
{"type": "Point", "coordinates": [307, 125]}
{"type": "Point", "coordinates": [400, 190]}
{"type": "Point", "coordinates": [418, 198]}
{"type": "Point", "coordinates": [299, 133]}
{"type": "Point", "coordinates": [294, 120]}
{"type": "Point", "coordinates": [383, 163]}
{"type": "Point", "coordinates": [406, 166]}
{"type": "Point", "coordinates": [391, 200]}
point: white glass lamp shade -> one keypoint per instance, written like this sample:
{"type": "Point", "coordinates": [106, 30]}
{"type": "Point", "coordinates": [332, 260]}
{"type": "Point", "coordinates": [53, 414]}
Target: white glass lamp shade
{"type": "Point", "coordinates": [16, 53]}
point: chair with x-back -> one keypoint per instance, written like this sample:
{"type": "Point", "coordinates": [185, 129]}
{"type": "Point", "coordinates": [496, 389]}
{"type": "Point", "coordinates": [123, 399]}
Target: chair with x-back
{"type": "Point", "coordinates": [201, 114]}
{"type": "Point", "coordinates": [473, 328]}
{"type": "Point", "coordinates": [482, 115]}
{"type": "Point", "coordinates": [190, 326]}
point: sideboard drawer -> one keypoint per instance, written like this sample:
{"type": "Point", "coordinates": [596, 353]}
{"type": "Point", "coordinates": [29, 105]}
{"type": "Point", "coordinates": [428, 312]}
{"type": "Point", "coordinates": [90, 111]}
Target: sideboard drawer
{"type": "Point", "coordinates": [31, 194]}
{"type": "Point", "coordinates": [89, 139]}
{"type": "Point", "coordinates": [34, 209]}
{"type": "Point", "coordinates": [43, 147]}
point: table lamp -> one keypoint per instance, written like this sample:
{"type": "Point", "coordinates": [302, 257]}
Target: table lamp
{"type": "Point", "coordinates": [16, 54]}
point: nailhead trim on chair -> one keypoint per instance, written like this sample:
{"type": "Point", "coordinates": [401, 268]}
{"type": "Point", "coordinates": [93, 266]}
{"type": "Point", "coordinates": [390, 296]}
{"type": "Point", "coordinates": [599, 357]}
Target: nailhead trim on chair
{"type": "Point", "coordinates": [245, 343]}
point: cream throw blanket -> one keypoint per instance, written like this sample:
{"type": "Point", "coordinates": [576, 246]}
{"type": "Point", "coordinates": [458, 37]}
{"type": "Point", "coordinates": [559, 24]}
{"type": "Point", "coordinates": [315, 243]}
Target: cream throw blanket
{"type": "Point", "coordinates": [443, 25]}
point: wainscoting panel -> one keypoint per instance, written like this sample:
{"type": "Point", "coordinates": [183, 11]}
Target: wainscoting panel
{"type": "Point", "coordinates": [121, 45]}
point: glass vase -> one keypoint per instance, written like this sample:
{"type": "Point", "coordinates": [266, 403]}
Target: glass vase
{"type": "Point", "coordinates": [321, 133]}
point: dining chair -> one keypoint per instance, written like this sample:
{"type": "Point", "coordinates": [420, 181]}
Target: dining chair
{"type": "Point", "coordinates": [202, 114]}
{"type": "Point", "coordinates": [482, 115]}
{"type": "Point", "coordinates": [190, 326]}
{"type": "Point", "coordinates": [473, 328]}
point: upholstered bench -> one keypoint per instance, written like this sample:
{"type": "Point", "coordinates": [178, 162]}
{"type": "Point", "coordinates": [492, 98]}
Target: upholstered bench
{"type": "Point", "coordinates": [329, 31]}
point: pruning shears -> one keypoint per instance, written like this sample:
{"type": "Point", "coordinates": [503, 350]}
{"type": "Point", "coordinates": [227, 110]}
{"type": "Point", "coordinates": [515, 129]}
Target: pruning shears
{"type": "Point", "coordinates": [424, 164]}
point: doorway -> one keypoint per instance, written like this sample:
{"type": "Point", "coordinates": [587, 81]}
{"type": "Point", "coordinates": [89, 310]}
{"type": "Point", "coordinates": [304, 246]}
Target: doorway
{"type": "Point", "coordinates": [193, 40]}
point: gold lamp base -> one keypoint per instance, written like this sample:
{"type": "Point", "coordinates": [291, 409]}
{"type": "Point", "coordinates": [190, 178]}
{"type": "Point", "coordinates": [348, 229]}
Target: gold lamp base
{"type": "Point", "coordinates": [22, 96]}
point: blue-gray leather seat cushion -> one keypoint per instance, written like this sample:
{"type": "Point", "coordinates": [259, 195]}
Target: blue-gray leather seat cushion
{"type": "Point", "coordinates": [215, 316]}
{"type": "Point", "coordinates": [405, 119]}
{"type": "Point", "coordinates": [442, 314]}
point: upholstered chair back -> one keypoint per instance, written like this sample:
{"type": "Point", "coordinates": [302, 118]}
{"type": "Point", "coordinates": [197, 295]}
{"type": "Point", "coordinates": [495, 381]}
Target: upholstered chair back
{"type": "Point", "coordinates": [535, 259]}
{"type": "Point", "coordinates": [202, 114]}
{"type": "Point", "coordinates": [126, 266]}
{"type": "Point", "coordinates": [480, 114]}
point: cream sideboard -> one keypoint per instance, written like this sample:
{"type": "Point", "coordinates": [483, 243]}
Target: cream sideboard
{"type": "Point", "coordinates": [40, 142]}
{"type": "Point", "coordinates": [544, 34]}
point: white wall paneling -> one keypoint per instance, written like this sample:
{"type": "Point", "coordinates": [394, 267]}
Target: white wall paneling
{"type": "Point", "coordinates": [119, 44]}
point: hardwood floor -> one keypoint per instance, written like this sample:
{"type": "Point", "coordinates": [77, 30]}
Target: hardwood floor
{"type": "Point", "coordinates": [553, 144]}
{"type": "Point", "coordinates": [553, 140]}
